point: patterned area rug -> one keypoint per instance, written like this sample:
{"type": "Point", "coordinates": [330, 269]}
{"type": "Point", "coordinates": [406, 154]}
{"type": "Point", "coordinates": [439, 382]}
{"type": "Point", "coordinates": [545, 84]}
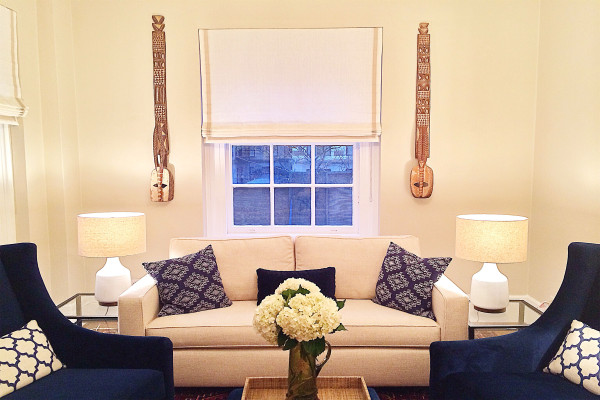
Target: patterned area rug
{"type": "Point", "coordinates": [387, 393]}
{"type": "Point", "coordinates": [201, 393]}
{"type": "Point", "coordinates": [403, 393]}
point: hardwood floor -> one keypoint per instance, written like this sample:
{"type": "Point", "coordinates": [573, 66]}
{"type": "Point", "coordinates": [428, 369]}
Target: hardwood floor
{"type": "Point", "coordinates": [484, 333]}
{"type": "Point", "coordinates": [102, 326]}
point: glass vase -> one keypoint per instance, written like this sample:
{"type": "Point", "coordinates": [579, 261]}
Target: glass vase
{"type": "Point", "coordinates": [302, 373]}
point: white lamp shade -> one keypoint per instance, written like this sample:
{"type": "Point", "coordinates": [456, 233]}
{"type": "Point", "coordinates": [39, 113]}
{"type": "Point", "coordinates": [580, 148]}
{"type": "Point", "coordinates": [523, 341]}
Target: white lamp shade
{"type": "Point", "coordinates": [111, 234]}
{"type": "Point", "coordinates": [491, 238]}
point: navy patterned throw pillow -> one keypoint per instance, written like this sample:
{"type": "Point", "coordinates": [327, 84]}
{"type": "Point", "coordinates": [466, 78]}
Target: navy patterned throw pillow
{"type": "Point", "coordinates": [25, 356]}
{"type": "Point", "coordinates": [406, 280]}
{"type": "Point", "coordinates": [188, 284]}
{"type": "Point", "coordinates": [578, 357]}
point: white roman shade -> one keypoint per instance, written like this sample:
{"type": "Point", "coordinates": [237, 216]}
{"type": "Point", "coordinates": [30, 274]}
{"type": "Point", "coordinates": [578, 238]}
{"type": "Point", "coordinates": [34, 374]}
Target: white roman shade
{"type": "Point", "coordinates": [11, 104]}
{"type": "Point", "coordinates": [271, 85]}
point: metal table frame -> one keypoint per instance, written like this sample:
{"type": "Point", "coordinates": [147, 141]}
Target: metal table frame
{"type": "Point", "coordinates": [508, 324]}
{"type": "Point", "coordinates": [79, 316]}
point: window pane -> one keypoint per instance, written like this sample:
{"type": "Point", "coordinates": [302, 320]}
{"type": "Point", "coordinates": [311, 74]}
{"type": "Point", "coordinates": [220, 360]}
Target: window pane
{"type": "Point", "coordinates": [333, 164]}
{"type": "Point", "coordinates": [291, 164]}
{"type": "Point", "coordinates": [251, 206]}
{"type": "Point", "coordinates": [292, 206]}
{"type": "Point", "coordinates": [250, 164]}
{"type": "Point", "coordinates": [333, 206]}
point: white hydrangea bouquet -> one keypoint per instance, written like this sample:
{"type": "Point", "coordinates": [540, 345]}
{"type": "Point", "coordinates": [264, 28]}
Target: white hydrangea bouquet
{"type": "Point", "coordinates": [297, 317]}
{"type": "Point", "coordinates": [298, 313]}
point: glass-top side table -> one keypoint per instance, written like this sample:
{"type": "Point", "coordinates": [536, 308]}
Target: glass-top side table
{"type": "Point", "coordinates": [84, 306]}
{"type": "Point", "coordinates": [519, 314]}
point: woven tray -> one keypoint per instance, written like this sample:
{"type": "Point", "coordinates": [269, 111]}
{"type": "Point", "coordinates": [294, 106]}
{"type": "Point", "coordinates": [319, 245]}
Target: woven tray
{"type": "Point", "coordinates": [330, 388]}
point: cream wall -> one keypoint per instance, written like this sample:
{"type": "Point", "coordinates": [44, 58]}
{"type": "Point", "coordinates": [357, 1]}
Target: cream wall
{"type": "Point", "coordinates": [87, 142]}
{"type": "Point", "coordinates": [566, 189]}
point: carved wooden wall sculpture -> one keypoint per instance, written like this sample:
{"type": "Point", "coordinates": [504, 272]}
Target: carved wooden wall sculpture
{"type": "Point", "coordinates": [162, 180]}
{"type": "Point", "coordinates": [421, 176]}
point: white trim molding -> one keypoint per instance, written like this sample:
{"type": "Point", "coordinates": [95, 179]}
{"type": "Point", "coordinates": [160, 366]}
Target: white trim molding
{"type": "Point", "coordinates": [7, 192]}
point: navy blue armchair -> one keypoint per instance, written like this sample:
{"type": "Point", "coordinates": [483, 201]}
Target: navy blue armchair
{"type": "Point", "coordinates": [510, 366]}
{"type": "Point", "coordinates": [99, 366]}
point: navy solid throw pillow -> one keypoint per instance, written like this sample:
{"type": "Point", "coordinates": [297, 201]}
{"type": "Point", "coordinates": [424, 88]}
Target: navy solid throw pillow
{"type": "Point", "coordinates": [188, 284]}
{"type": "Point", "coordinates": [406, 280]}
{"type": "Point", "coordinates": [269, 280]}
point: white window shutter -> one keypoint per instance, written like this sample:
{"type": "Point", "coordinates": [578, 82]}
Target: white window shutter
{"type": "Point", "coordinates": [271, 85]}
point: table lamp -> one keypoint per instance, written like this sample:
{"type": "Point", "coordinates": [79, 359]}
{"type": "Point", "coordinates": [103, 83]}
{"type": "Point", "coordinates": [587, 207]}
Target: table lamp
{"type": "Point", "coordinates": [111, 235]}
{"type": "Point", "coordinates": [491, 239]}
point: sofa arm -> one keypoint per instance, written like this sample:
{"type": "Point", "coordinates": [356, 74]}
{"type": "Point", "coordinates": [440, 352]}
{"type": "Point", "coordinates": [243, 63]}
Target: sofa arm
{"type": "Point", "coordinates": [451, 309]}
{"type": "Point", "coordinates": [138, 305]}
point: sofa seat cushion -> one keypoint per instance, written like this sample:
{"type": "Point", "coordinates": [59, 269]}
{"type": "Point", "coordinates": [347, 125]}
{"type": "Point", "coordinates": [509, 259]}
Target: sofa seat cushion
{"type": "Point", "coordinates": [222, 327]}
{"type": "Point", "coordinates": [369, 324]}
{"type": "Point", "coordinates": [97, 384]}
{"type": "Point", "coordinates": [511, 386]}
{"type": "Point", "coordinates": [232, 327]}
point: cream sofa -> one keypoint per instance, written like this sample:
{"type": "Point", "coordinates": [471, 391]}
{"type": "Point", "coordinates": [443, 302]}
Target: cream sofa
{"type": "Point", "coordinates": [220, 348]}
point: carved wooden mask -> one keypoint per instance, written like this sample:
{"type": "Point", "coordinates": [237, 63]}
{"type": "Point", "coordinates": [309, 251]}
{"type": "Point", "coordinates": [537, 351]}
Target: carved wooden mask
{"type": "Point", "coordinates": [161, 185]}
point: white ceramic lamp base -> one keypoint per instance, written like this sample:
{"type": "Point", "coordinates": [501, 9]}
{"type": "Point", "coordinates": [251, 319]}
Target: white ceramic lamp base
{"type": "Point", "coordinates": [112, 280]}
{"type": "Point", "coordinates": [489, 289]}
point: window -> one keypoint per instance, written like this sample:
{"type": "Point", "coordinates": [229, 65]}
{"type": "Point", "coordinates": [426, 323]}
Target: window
{"type": "Point", "coordinates": [283, 185]}
{"type": "Point", "coordinates": [291, 124]}
{"type": "Point", "coordinates": [288, 188]}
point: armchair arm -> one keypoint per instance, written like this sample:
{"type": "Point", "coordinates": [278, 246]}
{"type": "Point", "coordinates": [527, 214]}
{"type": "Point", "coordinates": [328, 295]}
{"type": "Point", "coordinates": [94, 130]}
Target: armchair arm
{"type": "Point", "coordinates": [520, 351]}
{"type": "Point", "coordinates": [451, 309]}
{"type": "Point", "coordinates": [138, 305]}
{"type": "Point", "coordinates": [82, 348]}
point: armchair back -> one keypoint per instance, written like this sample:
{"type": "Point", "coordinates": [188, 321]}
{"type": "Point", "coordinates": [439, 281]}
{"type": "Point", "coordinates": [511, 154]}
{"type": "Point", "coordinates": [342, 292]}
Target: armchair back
{"type": "Point", "coordinates": [10, 310]}
{"type": "Point", "coordinates": [31, 298]}
{"type": "Point", "coordinates": [577, 298]}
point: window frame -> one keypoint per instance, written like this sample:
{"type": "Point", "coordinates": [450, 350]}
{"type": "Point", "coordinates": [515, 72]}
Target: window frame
{"type": "Point", "coordinates": [217, 183]}
{"type": "Point", "coordinates": [7, 191]}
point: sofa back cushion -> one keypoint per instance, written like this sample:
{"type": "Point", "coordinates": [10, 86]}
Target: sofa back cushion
{"type": "Point", "coordinates": [238, 259]}
{"type": "Point", "coordinates": [357, 261]}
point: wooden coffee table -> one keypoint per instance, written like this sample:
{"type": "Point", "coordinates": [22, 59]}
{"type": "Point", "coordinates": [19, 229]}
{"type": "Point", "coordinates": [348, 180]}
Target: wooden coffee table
{"type": "Point", "coordinates": [330, 388]}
